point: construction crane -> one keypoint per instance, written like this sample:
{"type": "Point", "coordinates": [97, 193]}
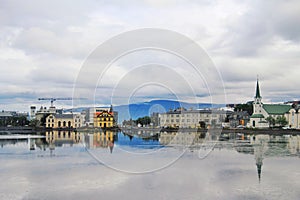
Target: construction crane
{"type": "Point", "coordinates": [55, 99]}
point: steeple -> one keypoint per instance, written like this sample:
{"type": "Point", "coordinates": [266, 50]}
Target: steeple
{"type": "Point", "coordinates": [257, 96]}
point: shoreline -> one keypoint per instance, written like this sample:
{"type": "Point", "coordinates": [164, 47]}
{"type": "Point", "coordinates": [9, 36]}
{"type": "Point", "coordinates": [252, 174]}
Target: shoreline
{"type": "Point", "coordinates": [28, 130]}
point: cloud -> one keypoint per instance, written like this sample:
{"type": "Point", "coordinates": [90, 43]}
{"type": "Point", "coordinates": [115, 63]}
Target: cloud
{"type": "Point", "coordinates": [44, 44]}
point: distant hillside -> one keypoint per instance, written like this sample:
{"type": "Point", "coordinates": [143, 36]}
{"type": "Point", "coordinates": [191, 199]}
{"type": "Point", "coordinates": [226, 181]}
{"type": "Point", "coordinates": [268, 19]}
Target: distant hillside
{"type": "Point", "coordinates": [135, 111]}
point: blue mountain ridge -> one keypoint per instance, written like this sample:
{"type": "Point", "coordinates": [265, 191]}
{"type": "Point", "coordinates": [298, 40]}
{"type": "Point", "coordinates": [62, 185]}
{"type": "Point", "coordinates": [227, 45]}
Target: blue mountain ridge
{"type": "Point", "coordinates": [137, 110]}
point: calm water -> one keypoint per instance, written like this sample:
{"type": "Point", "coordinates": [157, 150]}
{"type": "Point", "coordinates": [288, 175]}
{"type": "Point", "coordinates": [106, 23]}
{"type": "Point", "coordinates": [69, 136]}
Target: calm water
{"type": "Point", "coordinates": [68, 165]}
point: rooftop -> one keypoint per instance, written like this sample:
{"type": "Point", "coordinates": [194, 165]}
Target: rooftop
{"type": "Point", "coordinates": [276, 109]}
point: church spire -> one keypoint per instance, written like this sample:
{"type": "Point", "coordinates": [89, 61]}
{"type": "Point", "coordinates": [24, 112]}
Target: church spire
{"type": "Point", "coordinates": [257, 96]}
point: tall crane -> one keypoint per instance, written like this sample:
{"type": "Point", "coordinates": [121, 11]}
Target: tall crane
{"type": "Point", "coordinates": [55, 99]}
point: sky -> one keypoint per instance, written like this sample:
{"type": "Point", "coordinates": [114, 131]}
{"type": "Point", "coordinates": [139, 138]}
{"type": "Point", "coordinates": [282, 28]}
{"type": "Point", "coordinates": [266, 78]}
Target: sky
{"type": "Point", "coordinates": [45, 44]}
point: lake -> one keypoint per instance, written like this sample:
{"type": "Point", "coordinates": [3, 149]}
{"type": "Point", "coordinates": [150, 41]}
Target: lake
{"type": "Point", "coordinates": [117, 165]}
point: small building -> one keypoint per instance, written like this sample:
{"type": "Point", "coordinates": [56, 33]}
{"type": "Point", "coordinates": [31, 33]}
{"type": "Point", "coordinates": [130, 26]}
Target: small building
{"type": "Point", "coordinates": [91, 112]}
{"type": "Point", "coordinates": [104, 119]}
{"type": "Point", "coordinates": [238, 118]}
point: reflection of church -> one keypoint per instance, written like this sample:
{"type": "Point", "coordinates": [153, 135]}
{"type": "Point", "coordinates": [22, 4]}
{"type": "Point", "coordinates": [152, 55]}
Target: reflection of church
{"type": "Point", "coordinates": [100, 140]}
{"type": "Point", "coordinates": [260, 145]}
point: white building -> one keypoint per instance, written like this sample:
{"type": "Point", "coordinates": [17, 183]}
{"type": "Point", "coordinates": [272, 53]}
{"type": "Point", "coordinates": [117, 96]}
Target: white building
{"type": "Point", "coordinates": [293, 118]}
{"type": "Point", "coordinates": [192, 118]}
{"type": "Point", "coordinates": [64, 120]}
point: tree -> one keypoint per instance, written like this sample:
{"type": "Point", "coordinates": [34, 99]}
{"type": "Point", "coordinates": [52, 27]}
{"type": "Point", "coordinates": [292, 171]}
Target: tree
{"type": "Point", "coordinates": [281, 120]}
{"type": "Point", "coordinates": [143, 120]}
{"type": "Point", "coordinates": [245, 107]}
{"type": "Point", "coordinates": [271, 121]}
{"type": "Point", "coordinates": [35, 123]}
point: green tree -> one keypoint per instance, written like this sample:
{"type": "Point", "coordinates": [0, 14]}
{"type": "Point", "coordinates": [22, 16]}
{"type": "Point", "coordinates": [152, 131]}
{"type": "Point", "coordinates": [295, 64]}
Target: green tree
{"type": "Point", "coordinates": [271, 121]}
{"type": "Point", "coordinates": [281, 120]}
{"type": "Point", "coordinates": [245, 107]}
{"type": "Point", "coordinates": [35, 123]}
{"type": "Point", "coordinates": [143, 120]}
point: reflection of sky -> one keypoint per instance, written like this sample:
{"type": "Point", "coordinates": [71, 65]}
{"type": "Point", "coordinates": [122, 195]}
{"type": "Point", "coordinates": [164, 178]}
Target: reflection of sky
{"type": "Point", "coordinates": [124, 140]}
{"type": "Point", "coordinates": [71, 173]}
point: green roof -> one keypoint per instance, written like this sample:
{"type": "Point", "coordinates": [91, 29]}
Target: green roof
{"type": "Point", "coordinates": [276, 109]}
{"type": "Point", "coordinates": [257, 116]}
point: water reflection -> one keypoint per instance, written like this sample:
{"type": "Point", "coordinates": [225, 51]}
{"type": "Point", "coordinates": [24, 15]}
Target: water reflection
{"type": "Point", "coordinates": [99, 139]}
{"type": "Point", "coordinates": [239, 167]}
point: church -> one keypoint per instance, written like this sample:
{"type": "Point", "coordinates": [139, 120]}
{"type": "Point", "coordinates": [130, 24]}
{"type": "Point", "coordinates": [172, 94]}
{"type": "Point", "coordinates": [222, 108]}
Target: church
{"type": "Point", "coordinates": [262, 111]}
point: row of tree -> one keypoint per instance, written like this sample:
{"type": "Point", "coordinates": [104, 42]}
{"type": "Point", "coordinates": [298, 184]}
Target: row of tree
{"type": "Point", "coordinates": [280, 120]}
{"type": "Point", "coordinates": [14, 121]}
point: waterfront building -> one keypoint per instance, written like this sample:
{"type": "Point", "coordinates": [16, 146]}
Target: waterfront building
{"type": "Point", "coordinates": [93, 111]}
{"type": "Point", "coordinates": [293, 117]}
{"type": "Point", "coordinates": [104, 119]}
{"type": "Point", "coordinates": [238, 118]}
{"type": "Point", "coordinates": [183, 118]}
{"type": "Point", "coordinates": [262, 111]}
{"type": "Point", "coordinates": [43, 113]}
{"type": "Point", "coordinates": [56, 120]}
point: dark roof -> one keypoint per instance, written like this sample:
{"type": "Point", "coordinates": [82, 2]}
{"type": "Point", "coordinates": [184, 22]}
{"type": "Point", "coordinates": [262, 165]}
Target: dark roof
{"type": "Point", "coordinates": [276, 109]}
{"type": "Point", "coordinates": [257, 95]}
{"type": "Point", "coordinates": [63, 116]}
{"type": "Point", "coordinates": [257, 116]}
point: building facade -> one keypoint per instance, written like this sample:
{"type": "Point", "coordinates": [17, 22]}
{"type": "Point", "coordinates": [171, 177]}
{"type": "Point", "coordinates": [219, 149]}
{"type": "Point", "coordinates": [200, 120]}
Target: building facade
{"type": "Point", "coordinates": [91, 119]}
{"type": "Point", "coordinates": [104, 119]}
{"type": "Point", "coordinates": [64, 121]}
{"type": "Point", "coordinates": [183, 118]}
{"type": "Point", "coordinates": [293, 118]}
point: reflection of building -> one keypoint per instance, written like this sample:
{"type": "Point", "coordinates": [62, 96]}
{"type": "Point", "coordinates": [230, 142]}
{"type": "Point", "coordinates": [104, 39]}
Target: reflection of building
{"type": "Point", "coordinates": [63, 137]}
{"type": "Point", "coordinates": [181, 139]}
{"type": "Point", "coordinates": [262, 111]}
{"type": "Point", "coordinates": [192, 118]}
{"type": "Point", "coordinates": [64, 121]}
{"type": "Point", "coordinates": [100, 140]}
{"type": "Point", "coordinates": [294, 144]}
{"type": "Point", "coordinates": [260, 145]}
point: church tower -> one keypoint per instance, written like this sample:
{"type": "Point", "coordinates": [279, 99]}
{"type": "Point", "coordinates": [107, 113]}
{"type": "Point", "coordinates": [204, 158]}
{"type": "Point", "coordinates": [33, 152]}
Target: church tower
{"type": "Point", "coordinates": [257, 104]}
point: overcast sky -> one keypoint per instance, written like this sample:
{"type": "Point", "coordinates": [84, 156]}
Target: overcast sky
{"type": "Point", "coordinates": [43, 44]}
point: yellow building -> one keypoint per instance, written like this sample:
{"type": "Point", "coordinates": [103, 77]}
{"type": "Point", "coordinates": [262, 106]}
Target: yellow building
{"type": "Point", "coordinates": [104, 119]}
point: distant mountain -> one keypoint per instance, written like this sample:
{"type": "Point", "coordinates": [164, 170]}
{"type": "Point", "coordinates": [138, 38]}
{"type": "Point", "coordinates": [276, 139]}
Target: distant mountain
{"type": "Point", "coordinates": [137, 110]}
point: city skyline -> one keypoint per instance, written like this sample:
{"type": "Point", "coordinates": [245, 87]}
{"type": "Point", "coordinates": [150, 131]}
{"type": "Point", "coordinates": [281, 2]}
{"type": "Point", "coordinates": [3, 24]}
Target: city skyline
{"type": "Point", "coordinates": [43, 46]}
